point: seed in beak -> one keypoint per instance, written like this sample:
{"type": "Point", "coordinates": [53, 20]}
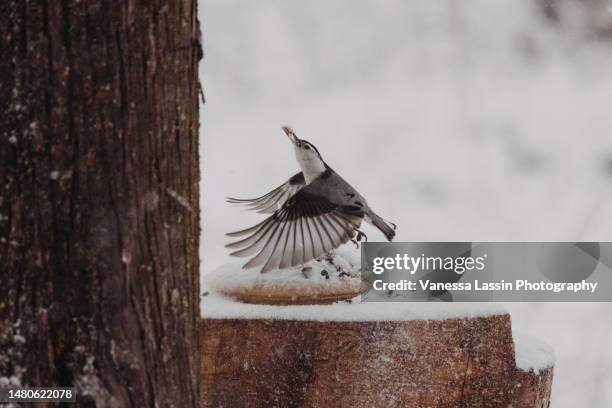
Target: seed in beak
{"type": "Point", "coordinates": [289, 132]}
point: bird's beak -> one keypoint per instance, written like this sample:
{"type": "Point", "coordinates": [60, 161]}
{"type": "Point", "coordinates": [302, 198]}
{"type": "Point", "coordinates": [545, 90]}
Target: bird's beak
{"type": "Point", "coordinates": [289, 132]}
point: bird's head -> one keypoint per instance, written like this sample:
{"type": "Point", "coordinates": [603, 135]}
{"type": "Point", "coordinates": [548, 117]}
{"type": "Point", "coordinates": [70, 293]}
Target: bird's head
{"type": "Point", "coordinates": [307, 155]}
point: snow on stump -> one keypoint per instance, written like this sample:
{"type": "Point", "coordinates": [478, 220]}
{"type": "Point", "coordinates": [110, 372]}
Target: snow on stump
{"type": "Point", "coordinates": [534, 373]}
{"type": "Point", "coordinates": [355, 355]}
{"type": "Point", "coordinates": [330, 279]}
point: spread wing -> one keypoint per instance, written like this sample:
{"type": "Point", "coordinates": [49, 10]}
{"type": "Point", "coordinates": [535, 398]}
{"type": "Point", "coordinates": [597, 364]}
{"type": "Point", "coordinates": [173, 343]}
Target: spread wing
{"type": "Point", "coordinates": [304, 228]}
{"type": "Point", "coordinates": [274, 200]}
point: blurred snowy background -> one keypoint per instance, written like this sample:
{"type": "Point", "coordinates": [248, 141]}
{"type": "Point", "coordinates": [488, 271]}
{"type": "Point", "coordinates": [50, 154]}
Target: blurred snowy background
{"type": "Point", "coordinates": [460, 121]}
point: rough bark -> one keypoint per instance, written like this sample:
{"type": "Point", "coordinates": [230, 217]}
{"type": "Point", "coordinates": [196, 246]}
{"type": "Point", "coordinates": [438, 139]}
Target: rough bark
{"type": "Point", "coordinates": [591, 18]}
{"type": "Point", "coordinates": [418, 363]}
{"type": "Point", "coordinates": [533, 388]}
{"type": "Point", "coordinates": [99, 199]}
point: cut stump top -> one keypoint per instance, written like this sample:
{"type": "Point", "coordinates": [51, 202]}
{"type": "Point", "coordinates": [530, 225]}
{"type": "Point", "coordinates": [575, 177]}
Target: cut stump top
{"type": "Point", "coordinates": [234, 293]}
{"type": "Point", "coordinates": [332, 278]}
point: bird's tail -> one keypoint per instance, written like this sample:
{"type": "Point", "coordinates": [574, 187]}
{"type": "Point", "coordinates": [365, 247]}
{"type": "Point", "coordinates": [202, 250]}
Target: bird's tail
{"type": "Point", "coordinates": [383, 226]}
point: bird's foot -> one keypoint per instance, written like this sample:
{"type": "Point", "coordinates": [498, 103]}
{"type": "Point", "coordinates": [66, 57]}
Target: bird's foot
{"type": "Point", "coordinates": [393, 225]}
{"type": "Point", "coordinates": [354, 241]}
{"type": "Point", "coordinates": [361, 236]}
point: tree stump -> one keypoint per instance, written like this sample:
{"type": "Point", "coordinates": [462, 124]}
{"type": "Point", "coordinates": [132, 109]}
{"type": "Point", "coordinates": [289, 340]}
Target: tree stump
{"type": "Point", "coordinates": [533, 388]}
{"type": "Point", "coordinates": [262, 356]}
{"type": "Point", "coordinates": [534, 374]}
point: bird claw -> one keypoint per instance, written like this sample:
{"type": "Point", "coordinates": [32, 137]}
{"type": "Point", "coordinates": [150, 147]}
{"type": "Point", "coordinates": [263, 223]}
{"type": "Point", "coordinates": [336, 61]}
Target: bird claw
{"type": "Point", "coordinates": [393, 225]}
{"type": "Point", "coordinates": [361, 235]}
{"type": "Point", "coordinates": [356, 243]}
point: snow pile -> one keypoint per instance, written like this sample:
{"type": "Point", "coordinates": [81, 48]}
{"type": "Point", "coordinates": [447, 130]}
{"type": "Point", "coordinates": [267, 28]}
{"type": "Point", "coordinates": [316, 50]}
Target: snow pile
{"type": "Point", "coordinates": [334, 270]}
{"type": "Point", "coordinates": [215, 306]}
{"type": "Point", "coordinates": [532, 354]}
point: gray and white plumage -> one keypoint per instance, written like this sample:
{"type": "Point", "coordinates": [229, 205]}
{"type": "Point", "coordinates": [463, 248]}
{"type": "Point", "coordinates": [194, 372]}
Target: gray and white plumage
{"type": "Point", "coordinates": [313, 212]}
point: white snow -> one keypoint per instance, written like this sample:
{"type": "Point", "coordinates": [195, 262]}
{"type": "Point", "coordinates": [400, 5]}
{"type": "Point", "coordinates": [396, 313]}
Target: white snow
{"type": "Point", "coordinates": [19, 339]}
{"type": "Point", "coordinates": [473, 120]}
{"type": "Point", "coordinates": [11, 381]}
{"type": "Point", "coordinates": [318, 272]}
{"type": "Point", "coordinates": [532, 354]}
{"type": "Point", "coordinates": [179, 199]}
{"type": "Point", "coordinates": [232, 276]}
{"type": "Point", "coordinates": [215, 306]}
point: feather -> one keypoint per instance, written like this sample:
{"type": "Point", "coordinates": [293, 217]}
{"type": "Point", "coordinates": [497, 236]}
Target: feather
{"type": "Point", "coordinates": [307, 226]}
{"type": "Point", "coordinates": [275, 199]}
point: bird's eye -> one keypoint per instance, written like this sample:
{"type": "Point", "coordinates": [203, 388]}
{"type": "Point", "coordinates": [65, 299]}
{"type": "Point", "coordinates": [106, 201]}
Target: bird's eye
{"type": "Point", "coordinates": [307, 147]}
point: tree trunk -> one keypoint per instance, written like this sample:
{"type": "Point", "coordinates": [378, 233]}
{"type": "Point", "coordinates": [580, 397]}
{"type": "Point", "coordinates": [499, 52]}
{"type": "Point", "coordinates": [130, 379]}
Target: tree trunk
{"type": "Point", "coordinates": [99, 199]}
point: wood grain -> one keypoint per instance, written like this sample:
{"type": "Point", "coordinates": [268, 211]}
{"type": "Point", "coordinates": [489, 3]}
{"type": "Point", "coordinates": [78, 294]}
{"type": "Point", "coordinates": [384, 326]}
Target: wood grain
{"type": "Point", "coordinates": [419, 363]}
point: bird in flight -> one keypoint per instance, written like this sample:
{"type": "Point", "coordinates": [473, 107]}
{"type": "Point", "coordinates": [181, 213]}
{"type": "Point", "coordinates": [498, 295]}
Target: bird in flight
{"type": "Point", "coordinates": [312, 213]}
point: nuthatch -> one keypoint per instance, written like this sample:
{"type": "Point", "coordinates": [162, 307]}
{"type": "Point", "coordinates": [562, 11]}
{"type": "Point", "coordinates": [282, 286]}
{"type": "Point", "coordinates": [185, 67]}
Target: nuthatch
{"type": "Point", "coordinates": [313, 212]}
